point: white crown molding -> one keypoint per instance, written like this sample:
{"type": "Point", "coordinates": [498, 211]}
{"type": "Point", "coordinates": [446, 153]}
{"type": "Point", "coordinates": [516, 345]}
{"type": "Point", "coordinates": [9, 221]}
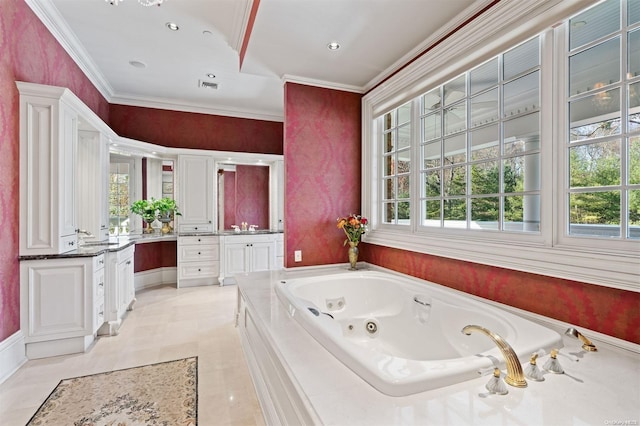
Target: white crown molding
{"type": "Point", "coordinates": [55, 23]}
{"type": "Point", "coordinates": [171, 105]}
{"type": "Point", "coordinates": [462, 17]}
{"type": "Point", "coordinates": [507, 23]}
{"type": "Point", "coordinates": [240, 26]}
{"type": "Point", "coordinates": [287, 78]}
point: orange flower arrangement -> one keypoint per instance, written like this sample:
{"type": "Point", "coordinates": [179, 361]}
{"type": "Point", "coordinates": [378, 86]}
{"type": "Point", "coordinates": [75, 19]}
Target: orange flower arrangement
{"type": "Point", "coordinates": [354, 226]}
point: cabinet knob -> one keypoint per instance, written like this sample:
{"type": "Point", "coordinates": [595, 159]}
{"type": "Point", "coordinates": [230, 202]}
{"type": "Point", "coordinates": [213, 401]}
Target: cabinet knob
{"type": "Point", "coordinates": [199, 238]}
{"type": "Point", "coordinates": [128, 262]}
{"type": "Point", "coordinates": [199, 269]}
{"type": "Point", "coordinates": [101, 285]}
{"type": "Point", "coordinates": [199, 253]}
{"type": "Point", "coordinates": [196, 228]}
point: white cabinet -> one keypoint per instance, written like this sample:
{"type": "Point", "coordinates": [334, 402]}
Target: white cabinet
{"type": "Point", "coordinates": [92, 185]}
{"type": "Point", "coordinates": [48, 142]}
{"type": "Point", "coordinates": [195, 193]}
{"type": "Point", "coordinates": [198, 260]}
{"type": "Point", "coordinates": [60, 304]}
{"type": "Point", "coordinates": [248, 253]}
{"type": "Point", "coordinates": [119, 290]}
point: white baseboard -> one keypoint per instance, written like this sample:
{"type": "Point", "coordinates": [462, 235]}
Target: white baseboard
{"type": "Point", "coordinates": [12, 355]}
{"type": "Point", "coordinates": [154, 277]}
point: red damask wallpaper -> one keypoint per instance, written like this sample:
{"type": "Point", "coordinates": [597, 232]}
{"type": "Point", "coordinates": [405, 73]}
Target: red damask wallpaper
{"type": "Point", "coordinates": [178, 129]}
{"type": "Point", "coordinates": [322, 171]}
{"type": "Point", "coordinates": [606, 310]}
{"type": "Point", "coordinates": [28, 52]}
{"type": "Point", "coordinates": [252, 195]}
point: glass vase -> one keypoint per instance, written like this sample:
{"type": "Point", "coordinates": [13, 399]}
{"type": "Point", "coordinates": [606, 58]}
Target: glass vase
{"type": "Point", "coordinates": [353, 255]}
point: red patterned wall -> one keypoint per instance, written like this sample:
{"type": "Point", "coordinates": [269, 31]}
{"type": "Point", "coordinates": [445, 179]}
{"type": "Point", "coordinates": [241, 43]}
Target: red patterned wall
{"type": "Point", "coordinates": [322, 171]}
{"type": "Point", "coordinates": [160, 254]}
{"type": "Point", "coordinates": [28, 52]}
{"type": "Point", "coordinates": [252, 195]}
{"type": "Point", "coordinates": [610, 311]}
{"type": "Point", "coordinates": [178, 129]}
{"type": "Point", "coordinates": [229, 199]}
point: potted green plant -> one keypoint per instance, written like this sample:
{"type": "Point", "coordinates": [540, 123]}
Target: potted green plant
{"type": "Point", "coordinates": [147, 210]}
{"type": "Point", "coordinates": [167, 209]}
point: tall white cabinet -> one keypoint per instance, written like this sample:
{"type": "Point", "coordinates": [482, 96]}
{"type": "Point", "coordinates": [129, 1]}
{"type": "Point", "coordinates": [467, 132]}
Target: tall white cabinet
{"type": "Point", "coordinates": [196, 192]}
{"type": "Point", "coordinates": [48, 159]}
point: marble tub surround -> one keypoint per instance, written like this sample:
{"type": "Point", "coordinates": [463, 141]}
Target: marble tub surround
{"type": "Point", "coordinates": [596, 388]}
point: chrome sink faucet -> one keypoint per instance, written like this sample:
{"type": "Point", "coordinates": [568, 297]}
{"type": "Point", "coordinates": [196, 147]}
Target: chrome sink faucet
{"type": "Point", "coordinates": [515, 376]}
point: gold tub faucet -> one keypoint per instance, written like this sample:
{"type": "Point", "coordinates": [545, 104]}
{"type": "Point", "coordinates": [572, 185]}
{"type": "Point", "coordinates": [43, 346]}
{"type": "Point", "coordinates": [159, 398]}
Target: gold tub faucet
{"type": "Point", "coordinates": [515, 376]}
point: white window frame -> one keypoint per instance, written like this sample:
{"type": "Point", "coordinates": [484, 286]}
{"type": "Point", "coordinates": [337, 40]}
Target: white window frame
{"type": "Point", "coordinates": [505, 25]}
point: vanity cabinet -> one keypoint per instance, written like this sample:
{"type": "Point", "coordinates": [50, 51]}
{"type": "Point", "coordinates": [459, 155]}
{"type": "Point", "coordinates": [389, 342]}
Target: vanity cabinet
{"type": "Point", "coordinates": [198, 260]}
{"type": "Point", "coordinates": [119, 290]}
{"type": "Point", "coordinates": [249, 253]}
{"type": "Point", "coordinates": [48, 143]}
{"type": "Point", "coordinates": [195, 193]}
{"type": "Point", "coordinates": [93, 182]}
{"type": "Point", "coordinates": [61, 304]}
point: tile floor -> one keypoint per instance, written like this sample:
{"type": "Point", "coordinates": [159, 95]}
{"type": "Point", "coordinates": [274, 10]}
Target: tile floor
{"type": "Point", "coordinates": [166, 323]}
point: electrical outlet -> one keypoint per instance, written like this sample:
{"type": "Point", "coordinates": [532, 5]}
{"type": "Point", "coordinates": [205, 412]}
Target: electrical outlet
{"type": "Point", "coordinates": [297, 255]}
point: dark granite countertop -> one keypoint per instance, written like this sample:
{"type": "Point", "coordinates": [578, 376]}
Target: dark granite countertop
{"type": "Point", "coordinates": [90, 249]}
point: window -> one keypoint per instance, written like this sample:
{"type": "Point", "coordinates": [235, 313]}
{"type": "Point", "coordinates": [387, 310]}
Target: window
{"type": "Point", "coordinates": [120, 190]}
{"type": "Point", "coordinates": [602, 147]}
{"type": "Point", "coordinates": [480, 146]}
{"type": "Point", "coordinates": [514, 149]}
{"type": "Point", "coordinates": [396, 165]}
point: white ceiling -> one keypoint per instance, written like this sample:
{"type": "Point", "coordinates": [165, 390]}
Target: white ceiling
{"type": "Point", "coordinates": [288, 42]}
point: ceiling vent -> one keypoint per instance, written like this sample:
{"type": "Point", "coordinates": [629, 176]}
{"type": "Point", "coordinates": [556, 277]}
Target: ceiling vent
{"type": "Point", "coordinates": [207, 84]}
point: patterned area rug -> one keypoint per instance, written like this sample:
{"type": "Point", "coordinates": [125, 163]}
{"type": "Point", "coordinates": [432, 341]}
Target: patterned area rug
{"type": "Point", "coordinates": [155, 394]}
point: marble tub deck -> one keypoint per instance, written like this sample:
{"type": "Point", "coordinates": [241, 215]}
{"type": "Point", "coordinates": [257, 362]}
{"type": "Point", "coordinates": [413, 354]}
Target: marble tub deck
{"type": "Point", "coordinates": [600, 388]}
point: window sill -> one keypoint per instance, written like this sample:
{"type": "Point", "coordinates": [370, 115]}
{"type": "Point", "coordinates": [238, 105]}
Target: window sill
{"type": "Point", "coordinates": [620, 269]}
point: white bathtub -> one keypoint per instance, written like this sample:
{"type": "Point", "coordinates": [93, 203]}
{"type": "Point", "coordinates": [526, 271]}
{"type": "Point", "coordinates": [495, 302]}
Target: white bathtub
{"type": "Point", "coordinates": [403, 335]}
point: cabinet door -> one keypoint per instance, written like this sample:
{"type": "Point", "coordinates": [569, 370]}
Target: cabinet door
{"type": "Point", "coordinates": [262, 256]}
{"type": "Point", "coordinates": [92, 189]}
{"type": "Point", "coordinates": [236, 258]}
{"type": "Point", "coordinates": [59, 299]}
{"type": "Point", "coordinates": [196, 191]}
{"type": "Point", "coordinates": [68, 162]}
{"type": "Point", "coordinates": [125, 285]}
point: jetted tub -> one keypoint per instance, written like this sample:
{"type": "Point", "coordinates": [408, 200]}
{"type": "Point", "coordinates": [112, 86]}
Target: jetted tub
{"type": "Point", "coordinates": [404, 335]}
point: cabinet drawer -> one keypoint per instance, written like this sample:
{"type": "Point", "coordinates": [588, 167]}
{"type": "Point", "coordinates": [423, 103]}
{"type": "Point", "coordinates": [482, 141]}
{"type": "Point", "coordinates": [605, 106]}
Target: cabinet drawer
{"type": "Point", "coordinates": [98, 283]}
{"type": "Point", "coordinates": [126, 253]}
{"type": "Point", "coordinates": [99, 316]}
{"type": "Point", "coordinates": [197, 253]}
{"type": "Point", "coordinates": [198, 240]}
{"type": "Point", "coordinates": [196, 270]}
{"type": "Point", "coordinates": [98, 262]}
{"type": "Point", "coordinates": [196, 228]}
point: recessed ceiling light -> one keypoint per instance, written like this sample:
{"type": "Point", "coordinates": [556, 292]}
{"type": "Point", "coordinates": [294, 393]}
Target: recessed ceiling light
{"type": "Point", "coordinates": [137, 64]}
{"type": "Point", "coordinates": [334, 45]}
{"type": "Point", "coordinates": [172, 26]}
{"type": "Point", "coordinates": [211, 75]}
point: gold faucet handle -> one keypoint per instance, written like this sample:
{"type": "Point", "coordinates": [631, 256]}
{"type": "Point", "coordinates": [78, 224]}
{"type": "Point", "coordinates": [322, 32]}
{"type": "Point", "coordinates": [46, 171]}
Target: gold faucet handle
{"type": "Point", "coordinates": [534, 357]}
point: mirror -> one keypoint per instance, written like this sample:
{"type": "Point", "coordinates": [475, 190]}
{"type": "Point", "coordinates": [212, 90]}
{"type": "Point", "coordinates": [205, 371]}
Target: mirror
{"type": "Point", "coordinates": [243, 195]}
{"type": "Point", "coordinates": [249, 186]}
